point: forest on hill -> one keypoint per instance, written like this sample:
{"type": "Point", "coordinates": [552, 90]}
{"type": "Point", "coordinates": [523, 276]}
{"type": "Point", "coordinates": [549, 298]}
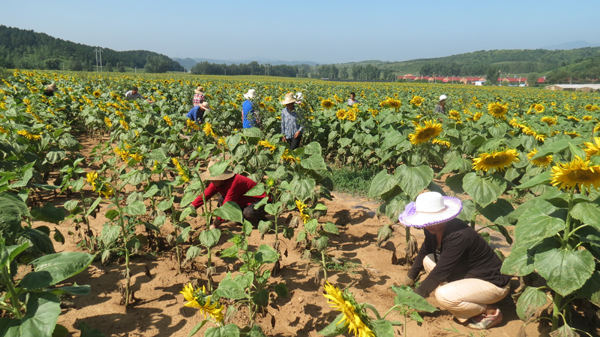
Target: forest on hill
{"type": "Point", "coordinates": [26, 49]}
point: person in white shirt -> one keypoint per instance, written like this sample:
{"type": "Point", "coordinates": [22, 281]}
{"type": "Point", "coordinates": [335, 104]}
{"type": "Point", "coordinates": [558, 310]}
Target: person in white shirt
{"type": "Point", "coordinates": [134, 94]}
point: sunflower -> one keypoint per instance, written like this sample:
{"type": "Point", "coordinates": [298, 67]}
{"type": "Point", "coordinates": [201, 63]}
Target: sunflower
{"type": "Point", "coordinates": [416, 100]}
{"type": "Point", "coordinates": [572, 134]}
{"type": "Point", "coordinates": [425, 133]}
{"type": "Point", "coordinates": [495, 161]}
{"type": "Point", "coordinates": [337, 98]}
{"type": "Point", "coordinates": [549, 120]}
{"type": "Point", "coordinates": [592, 148]}
{"type": "Point", "coordinates": [587, 118]}
{"type": "Point", "coordinates": [136, 157]}
{"type": "Point", "coordinates": [477, 116]}
{"type": "Point", "coordinates": [91, 178]}
{"type": "Point", "coordinates": [352, 114]}
{"type": "Point", "coordinates": [97, 94]}
{"type": "Point", "coordinates": [207, 128]}
{"type": "Point", "coordinates": [453, 114]}
{"type": "Point", "coordinates": [541, 162]}
{"type": "Point", "coordinates": [289, 158]}
{"type": "Point", "coordinates": [168, 120]}
{"type": "Point", "coordinates": [373, 112]}
{"type": "Point", "coordinates": [589, 107]}
{"type": "Point", "coordinates": [343, 303]}
{"type": "Point", "coordinates": [575, 174]}
{"type": "Point", "coordinates": [341, 114]}
{"type": "Point", "coordinates": [538, 108]}
{"type": "Point", "coordinates": [301, 207]}
{"type": "Point", "coordinates": [497, 110]}
{"type": "Point", "coordinates": [327, 104]}
{"type": "Point", "coordinates": [393, 103]}
{"type": "Point", "coordinates": [197, 298]}
{"type": "Point", "coordinates": [266, 144]}
{"type": "Point", "coordinates": [124, 124]}
{"type": "Point", "coordinates": [441, 142]}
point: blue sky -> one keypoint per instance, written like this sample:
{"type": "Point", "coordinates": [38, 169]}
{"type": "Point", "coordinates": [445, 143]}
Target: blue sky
{"type": "Point", "coordinates": [320, 31]}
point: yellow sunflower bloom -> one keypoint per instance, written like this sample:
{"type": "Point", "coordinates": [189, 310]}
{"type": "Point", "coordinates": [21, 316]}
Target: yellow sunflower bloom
{"type": "Point", "coordinates": [425, 133]}
{"type": "Point", "coordinates": [107, 122]}
{"type": "Point", "coordinates": [417, 100]}
{"type": "Point", "coordinates": [91, 178]}
{"type": "Point", "coordinates": [549, 120]}
{"type": "Point", "coordinates": [592, 148]}
{"type": "Point", "coordinates": [338, 301]}
{"type": "Point", "coordinates": [97, 94]}
{"type": "Point", "coordinates": [327, 104]}
{"type": "Point", "coordinates": [541, 162]}
{"type": "Point", "coordinates": [589, 107]}
{"type": "Point", "coordinates": [267, 145]}
{"type": "Point", "coordinates": [197, 298]}
{"type": "Point", "coordinates": [576, 174]}
{"type": "Point", "coordinates": [208, 130]}
{"type": "Point", "coordinates": [168, 120]}
{"type": "Point", "coordinates": [495, 161]}
{"type": "Point", "coordinates": [341, 114]}
{"type": "Point", "coordinates": [441, 142]}
{"type": "Point", "coordinates": [301, 207]}
{"type": "Point", "coordinates": [497, 110]}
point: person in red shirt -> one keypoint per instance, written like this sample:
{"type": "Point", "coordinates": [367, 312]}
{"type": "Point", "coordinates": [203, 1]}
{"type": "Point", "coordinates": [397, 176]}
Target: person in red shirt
{"type": "Point", "coordinates": [232, 187]}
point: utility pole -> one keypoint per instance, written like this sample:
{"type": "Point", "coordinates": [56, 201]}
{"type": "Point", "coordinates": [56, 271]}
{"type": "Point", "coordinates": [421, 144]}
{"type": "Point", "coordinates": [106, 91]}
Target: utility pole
{"type": "Point", "coordinates": [100, 52]}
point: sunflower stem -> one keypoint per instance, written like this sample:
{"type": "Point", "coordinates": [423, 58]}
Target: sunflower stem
{"type": "Point", "coordinates": [556, 311]}
{"type": "Point", "coordinates": [567, 233]}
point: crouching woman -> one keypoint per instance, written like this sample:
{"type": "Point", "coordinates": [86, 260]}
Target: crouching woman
{"type": "Point", "coordinates": [455, 253]}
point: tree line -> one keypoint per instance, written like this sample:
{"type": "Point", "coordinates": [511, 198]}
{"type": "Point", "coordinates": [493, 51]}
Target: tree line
{"type": "Point", "coordinates": [27, 49]}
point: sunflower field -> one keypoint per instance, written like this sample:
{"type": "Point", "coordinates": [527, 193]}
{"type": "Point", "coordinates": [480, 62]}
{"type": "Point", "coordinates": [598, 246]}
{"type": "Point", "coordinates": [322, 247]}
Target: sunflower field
{"type": "Point", "coordinates": [525, 162]}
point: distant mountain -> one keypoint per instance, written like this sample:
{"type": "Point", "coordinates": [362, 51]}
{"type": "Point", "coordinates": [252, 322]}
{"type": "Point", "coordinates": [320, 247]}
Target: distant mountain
{"type": "Point", "coordinates": [188, 63]}
{"type": "Point", "coordinates": [571, 45]}
{"type": "Point", "coordinates": [26, 49]}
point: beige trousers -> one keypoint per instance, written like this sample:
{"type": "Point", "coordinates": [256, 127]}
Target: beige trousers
{"type": "Point", "coordinates": [468, 297]}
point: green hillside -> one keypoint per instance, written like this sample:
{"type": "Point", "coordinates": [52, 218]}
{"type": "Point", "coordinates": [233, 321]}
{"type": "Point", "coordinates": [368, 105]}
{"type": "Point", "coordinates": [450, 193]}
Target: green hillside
{"type": "Point", "coordinates": [27, 49]}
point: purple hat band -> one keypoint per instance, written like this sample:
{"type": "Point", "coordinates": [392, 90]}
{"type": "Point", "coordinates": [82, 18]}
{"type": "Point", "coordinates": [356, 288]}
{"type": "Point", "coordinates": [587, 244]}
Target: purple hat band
{"type": "Point", "coordinates": [412, 218]}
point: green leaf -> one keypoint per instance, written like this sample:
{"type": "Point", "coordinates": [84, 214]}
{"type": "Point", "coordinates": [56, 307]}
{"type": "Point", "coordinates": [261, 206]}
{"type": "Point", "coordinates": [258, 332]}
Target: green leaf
{"type": "Point", "coordinates": [86, 331]}
{"type": "Point", "coordinates": [185, 213]}
{"type": "Point", "coordinates": [231, 289]}
{"type": "Point", "coordinates": [42, 314]}
{"type": "Point", "coordinates": [391, 139]}
{"type": "Point", "coordinates": [12, 209]}
{"type": "Point", "coordinates": [588, 213]}
{"type": "Point", "coordinates": [412, 300]}
{"type": "Point", "coordinates": [197, 327]}
{"type": "Point", "coordinates": [330, 227]}
{"type": "Point", "coordinates": [93, 206]}
{"type": "Point", "coordinates": [60, 331]}
{"type": "Point", "coordinates": [8, 254]}
{"type": "Point", "coordinates": [499, 208]}
{"type": "Point", "coordinates": [48, 213]}
{"type": "Point", "coordinates": [382, 183]}
{"type": "Point", "coordinates": [531, 299]}
{"type": "Point", "coordinates": [109, 234]}
{"type": "Point", "coordinates": [111, 214]}
{"type": "Point", "coordinates": [314, 162]}
{"type": "Point", "coordinates": [136, 208]}
{"type": "Point", "coordinates": [334, 328]}
{"type": "Point", "coordinates": [533, 230]}
{"type": "Point", "coordinates": [413, 180]}
{"type": "Point", "coordinates": [192, 253]}
{"type": "Point", "coordinates": [383, 328]}
{"type": "Point", "coordinates": [151, 192]}
{"type": "Point", "coordinates": [266, 254]}
{"type": "Point", "coordinates": [210, 238]}
{"type": "Point", "coordinates": [281, 290]}
{"type": "Point", "coordinates": [565, 270]}
{"type": "Point", "coordinates": [557, 147]}
{"type": "Point", "coordinates": [460, 164]}
{"type": "Point", "coordinates": [519, 262]}
{"type": "Point", "coordinates": [75, 289]}
{"type": "Point", "coordinates": [564, 331]}
{"type": "Point", "coordinates": [38, 240]}
{"type": "Point", "coordinates": [230, 330]}
{"type": "Point", "coordinates": [591, 289]}
{"type": "Point", "coordinates": [255, 191]}
{"type": "Point", "coordinates": [36, 280]}
{"type": "Point", "coordinates": [484, 190]}
{"type": "Point", "coordinates": [230, 211]}
{"type": "Point", "coordinates": [542, 179]}
{"type": "Point", "coordinates": [164, 205]}
{"type": "Point", "coordinates": [311, 226]}
{"type": "Point", "coordinates": [187, 199]}
{"type": "Point", "coordinates": [218, 168]}
{"type": "Point", "coordinates": [61, 266]}
{"type": "Point", "coordinates": [261, 297]}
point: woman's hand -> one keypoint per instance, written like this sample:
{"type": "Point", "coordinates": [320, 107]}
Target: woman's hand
{"type": "Point", "coordinates": [408, 281]}
{"type": "Point", "coordinates": [284, 139]}
{"type": "Point", "coordinates": [297, 134]}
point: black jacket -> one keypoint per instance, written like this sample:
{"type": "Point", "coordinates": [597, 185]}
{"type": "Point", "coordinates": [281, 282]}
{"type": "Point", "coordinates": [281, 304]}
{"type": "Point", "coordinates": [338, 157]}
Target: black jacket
{"type": "Point", "coordinates": [463, 254]}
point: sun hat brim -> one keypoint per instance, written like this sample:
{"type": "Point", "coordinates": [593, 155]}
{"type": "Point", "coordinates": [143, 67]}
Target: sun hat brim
{"type": "Point", "coordinates": [288, 101]}
{"type": "Point", "coordinates": [223, 176]}
{"type": "Point", "coordinates": [248, 96]}
{"type": "Point", "coordinates": [411, 218]}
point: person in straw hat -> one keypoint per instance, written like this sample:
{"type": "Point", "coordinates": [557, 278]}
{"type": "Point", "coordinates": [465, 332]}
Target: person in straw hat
{"type": "Point", "coordinates": [455, 253]}
{"type": "Point", "coordinates": [249, 115]}
{"type": "Point", "coordinates": [196, 114]}
{"type": "Point", "coordinates": [50, 89]}
{"type": "Point", "coordinates": [291, 125]}
{"type": "Point", "coordinates": [232, 188]}
{"type": "Point", "coordinates": [198, 96]}
{"type": "Point", "coordinates": [440, 108]}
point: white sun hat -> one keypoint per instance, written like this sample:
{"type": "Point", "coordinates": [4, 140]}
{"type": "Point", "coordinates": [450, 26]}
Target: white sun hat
{"type": "Point", "coordinates": [443, 97]}
{"type": "Point", "coordinates": [299, 97]}
{"type": "Point", "coordinates": [250, 94]}
{"type": "Point", "coordinates": [430, 208]}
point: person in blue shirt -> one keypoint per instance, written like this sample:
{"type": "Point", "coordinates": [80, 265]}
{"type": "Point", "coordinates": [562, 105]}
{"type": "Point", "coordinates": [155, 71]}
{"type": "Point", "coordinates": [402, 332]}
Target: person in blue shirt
{"type": "Point", "coordinates": [196, 114]}
{"type": "Point", "coordinates": [249, 119]}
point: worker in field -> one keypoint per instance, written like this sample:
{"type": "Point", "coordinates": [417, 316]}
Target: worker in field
{"type": "Point", "coordinates": [198, 96]}
{"type": "Point", "coordinates": [455, 253]}
{"type": "Point", "coordinates": [196, 114]}
{"type": "Point", "coordinates": [50, 89]}
{"type": "Point", "coordinates": [232, 188]}
{"type": "Point", "coordinates": [291, 123]}
{"type": "Point", "coordinates": [352, 100]}
{"type": "Point", "coordinates": [134, 94]}
{"type": "Point", "coordinates": [440, 108]}
{"type": "Point", "coordinates": [249, 114]}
